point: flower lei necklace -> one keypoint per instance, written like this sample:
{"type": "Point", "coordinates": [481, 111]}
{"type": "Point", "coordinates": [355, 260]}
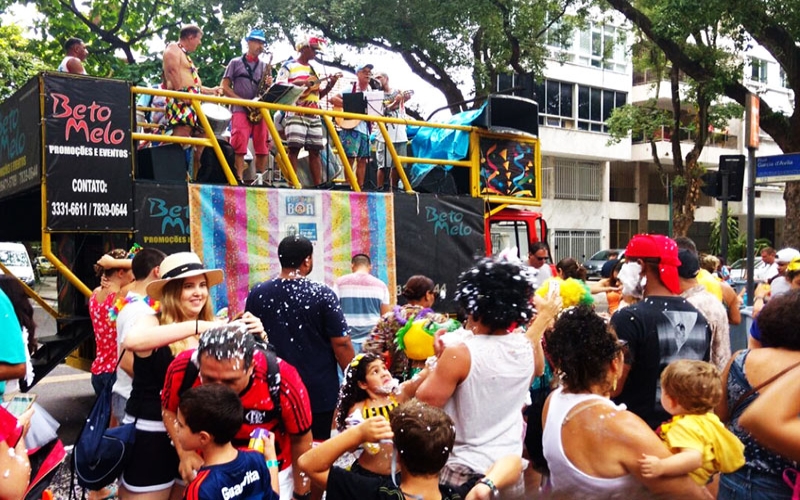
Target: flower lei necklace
{"type": "Point", "coordinates": [113, 313]}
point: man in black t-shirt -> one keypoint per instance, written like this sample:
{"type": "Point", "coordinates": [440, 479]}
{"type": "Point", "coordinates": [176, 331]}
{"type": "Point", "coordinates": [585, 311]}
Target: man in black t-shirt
{"type": "Point", "coordinates": [660, 329]}
{"type": "Point", "coordinates": [304, 321]}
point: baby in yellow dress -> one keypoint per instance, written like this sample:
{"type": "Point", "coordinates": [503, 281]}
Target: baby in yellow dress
{"type": "Point", "coordinates": [702, 446]}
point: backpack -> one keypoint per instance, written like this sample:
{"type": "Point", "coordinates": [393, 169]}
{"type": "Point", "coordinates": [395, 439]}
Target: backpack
{"type": "Point", "coordinates": [273, 379]}
{"type": "Point", "coordinates": [100, 454]}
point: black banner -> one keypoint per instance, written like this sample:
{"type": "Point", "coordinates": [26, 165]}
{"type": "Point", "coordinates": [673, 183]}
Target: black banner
{"type": "Point", "coordinates": [439, 237]}
{"type": "Point", "coordinates": [162, 216]}
{"type": "Point", "coordinates": [88, 153]}
{"type": "Point", "coordinates": [20, 140]}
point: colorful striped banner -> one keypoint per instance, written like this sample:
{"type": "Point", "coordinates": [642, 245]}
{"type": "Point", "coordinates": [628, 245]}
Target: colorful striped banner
{"type": "Point", "coordinates": [238, 230]}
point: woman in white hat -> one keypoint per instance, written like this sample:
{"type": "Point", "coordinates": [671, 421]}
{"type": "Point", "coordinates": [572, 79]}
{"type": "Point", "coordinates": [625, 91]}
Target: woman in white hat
{"type": "Point", "coordinates": [155, 339]}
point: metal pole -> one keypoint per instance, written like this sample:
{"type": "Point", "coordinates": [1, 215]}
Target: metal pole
{"type": "Point", "coordinates": [671, 210]}
{"type": "Point", "coordinates": [723, 230]}
{"type": "Point", "coordinates": [751, 222]}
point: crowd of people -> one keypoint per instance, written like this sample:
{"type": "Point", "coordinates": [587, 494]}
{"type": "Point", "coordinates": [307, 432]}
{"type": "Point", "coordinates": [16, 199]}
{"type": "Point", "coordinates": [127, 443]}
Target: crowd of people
{"type": "Point", "coordinates": [645, 401]}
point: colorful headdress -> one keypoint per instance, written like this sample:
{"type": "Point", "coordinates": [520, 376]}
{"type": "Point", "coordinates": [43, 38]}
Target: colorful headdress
{"type": "Point", "coordinates": [573, 292]}
{"type": "Point", "coordinates": [417, 336]}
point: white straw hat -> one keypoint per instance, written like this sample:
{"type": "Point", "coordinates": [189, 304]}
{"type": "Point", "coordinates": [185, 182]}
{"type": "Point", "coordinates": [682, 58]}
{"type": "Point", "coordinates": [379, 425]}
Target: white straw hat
{"type": "Point", "coordinates": [182, 265]}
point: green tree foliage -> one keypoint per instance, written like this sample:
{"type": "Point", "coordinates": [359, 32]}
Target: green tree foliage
{"type": "Point", "coordinates": [16, 64]}
{"type": "Point", "coordinates": [773, 25]}
{"type": "Point", "coordinates": [442, 41]}
{"type": "Point", "coordinates": [120, 34]}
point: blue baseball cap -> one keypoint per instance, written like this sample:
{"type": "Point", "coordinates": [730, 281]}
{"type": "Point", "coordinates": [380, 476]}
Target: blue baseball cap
{"type": "Point", "coordinates": [257, 35]}
{"type": "Point", "coordinates": [364, 66]}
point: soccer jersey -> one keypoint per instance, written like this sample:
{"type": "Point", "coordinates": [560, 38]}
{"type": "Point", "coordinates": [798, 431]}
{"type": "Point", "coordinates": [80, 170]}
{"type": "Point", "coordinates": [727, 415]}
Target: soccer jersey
{"type": "Point", "coordinates": [295, 415]}
{"type": "Point", "coordinates": [244, 478]}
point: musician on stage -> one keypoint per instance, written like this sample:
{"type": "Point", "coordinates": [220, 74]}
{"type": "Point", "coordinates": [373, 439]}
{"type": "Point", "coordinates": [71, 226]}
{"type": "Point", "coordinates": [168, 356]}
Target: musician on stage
{"type": "Point", "coordinates": [356, 140]}
{"type": "Point", "coordinates": [305, 130]}
{"type": "Point", "coordinates": [245, 78]}
{"type": "Point", "coordinates": [181, 75]}
{"type": "Point", "coordinates": [393, 106]}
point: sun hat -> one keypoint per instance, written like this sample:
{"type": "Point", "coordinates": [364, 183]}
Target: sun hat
{"type": "Point", "coordinates": [257, 35]}
{"type": "Point", "coordinates": [658, 246]}
{"type": "Point", "coordinates": [182, 265]}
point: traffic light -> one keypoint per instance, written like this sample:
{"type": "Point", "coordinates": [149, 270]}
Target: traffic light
{"type": "Point", "coordinates": [711, 184]}
{"type": "Point", "coordinates": [733, 166]}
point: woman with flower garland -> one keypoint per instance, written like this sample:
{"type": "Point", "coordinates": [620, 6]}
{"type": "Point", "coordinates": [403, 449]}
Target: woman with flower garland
{"type": "Point", "coordinates": [419, 292]}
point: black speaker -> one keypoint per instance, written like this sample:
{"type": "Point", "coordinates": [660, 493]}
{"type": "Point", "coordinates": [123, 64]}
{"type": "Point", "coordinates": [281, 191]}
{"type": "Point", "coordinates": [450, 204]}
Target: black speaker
{"type": "Point", "coordinates": [210, 171]}
{"type": "Point", "coordinates": [437, 181]}
{"type": "Point", "coordinates": [507, 113]}
{"type": "Point", "coordinates": [162, 163]}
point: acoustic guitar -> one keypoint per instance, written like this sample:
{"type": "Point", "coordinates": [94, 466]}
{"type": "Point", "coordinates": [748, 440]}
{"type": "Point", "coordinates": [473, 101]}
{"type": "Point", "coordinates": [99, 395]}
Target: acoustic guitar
{"type": "Point", "coordinates": [345, 123]}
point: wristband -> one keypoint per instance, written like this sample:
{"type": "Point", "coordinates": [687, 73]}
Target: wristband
{"type": "Point", "coordinates": [488, 482]}
{"type": "Point", "coordinates": [272, 463]}
{"type": "Point", "coordinates": [303, 496]}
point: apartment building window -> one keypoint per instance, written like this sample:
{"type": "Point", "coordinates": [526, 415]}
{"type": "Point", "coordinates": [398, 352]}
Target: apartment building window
{"type": "Point", "coordinates": [595, 106]}
{"type": "Point", "coordinates": [578, 180]}
{"type": "Point", "coordinates": [556, 105]}
{"type": "Point", "coordinates": [758, 69]}
{"type": "Point", "coordinates": [785, 80]}
{"type": "Point", "coordinates": [602, 46]}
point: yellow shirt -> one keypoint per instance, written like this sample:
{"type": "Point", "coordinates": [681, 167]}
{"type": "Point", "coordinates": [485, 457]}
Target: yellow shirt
{"type": "Point", "coordinates": [710, 283]}
{"type": "Point", "coordinates": [721, 449]}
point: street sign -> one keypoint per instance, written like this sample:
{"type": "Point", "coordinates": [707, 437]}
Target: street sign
{"type": "Point", "coordinates": [778, 168]}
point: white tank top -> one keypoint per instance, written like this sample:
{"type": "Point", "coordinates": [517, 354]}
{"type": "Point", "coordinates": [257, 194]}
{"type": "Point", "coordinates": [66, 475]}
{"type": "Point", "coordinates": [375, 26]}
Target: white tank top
{"type": "Point", "coordinates": [63, 66]}
{"type": "Point", "coordinates": [565, 478]}
{"type": "Point", "coordinates": [487, 406]}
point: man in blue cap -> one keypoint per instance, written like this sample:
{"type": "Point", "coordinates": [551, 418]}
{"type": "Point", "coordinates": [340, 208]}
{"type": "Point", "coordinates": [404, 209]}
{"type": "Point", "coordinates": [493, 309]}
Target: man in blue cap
{"type": "Point", "coordinates": [242, 80]}
{"type": "Point", "coordinates": [355, 138]}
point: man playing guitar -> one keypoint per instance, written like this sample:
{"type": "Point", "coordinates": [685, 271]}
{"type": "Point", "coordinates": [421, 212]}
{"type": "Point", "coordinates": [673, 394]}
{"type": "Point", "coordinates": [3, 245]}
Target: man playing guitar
{"type": "Point", "coordinates": [241, 81]}
{"type": "Point", "coordinates": [302, 130]}
{"type": "Point", "coordinates": [356, 140]}
{"type": "Point", "coordinates": [393, 106]}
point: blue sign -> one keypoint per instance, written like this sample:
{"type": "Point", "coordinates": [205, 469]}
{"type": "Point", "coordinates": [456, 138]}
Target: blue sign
{"type": "Point", "coordinates": [778, 168]}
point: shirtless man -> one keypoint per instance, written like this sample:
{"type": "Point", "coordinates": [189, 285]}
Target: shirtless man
{"type": "Point", "coordinates": [181, 75]}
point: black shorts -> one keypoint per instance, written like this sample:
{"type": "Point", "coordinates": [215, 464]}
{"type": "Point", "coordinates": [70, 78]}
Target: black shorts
{"type": "Point", "coordinates": [154, 463]}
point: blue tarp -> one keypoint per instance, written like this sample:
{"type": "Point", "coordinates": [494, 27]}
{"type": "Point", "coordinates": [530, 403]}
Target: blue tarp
{"type": "Point", "coordinates": [441, 143]}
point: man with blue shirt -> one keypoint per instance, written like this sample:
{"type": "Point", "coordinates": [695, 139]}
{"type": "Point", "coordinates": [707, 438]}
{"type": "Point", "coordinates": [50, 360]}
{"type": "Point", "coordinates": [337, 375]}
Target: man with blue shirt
{"type": "Point", "coordinates": [304, 322]}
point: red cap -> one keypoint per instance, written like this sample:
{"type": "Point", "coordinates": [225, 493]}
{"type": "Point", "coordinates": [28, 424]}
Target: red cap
{"type": "Point", "coordinates": [657, 246]}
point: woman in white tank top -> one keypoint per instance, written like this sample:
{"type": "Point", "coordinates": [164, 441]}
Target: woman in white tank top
{"type": "Point", "coordinates": [593, 446]}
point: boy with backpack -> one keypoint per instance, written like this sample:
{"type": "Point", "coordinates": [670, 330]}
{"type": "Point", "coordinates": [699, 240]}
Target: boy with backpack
{"type": "Point", "coordinates": [209, 416]}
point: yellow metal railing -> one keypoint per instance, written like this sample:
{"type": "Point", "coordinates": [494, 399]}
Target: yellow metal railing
{"type": "Point", "coordinates": [283, 158]}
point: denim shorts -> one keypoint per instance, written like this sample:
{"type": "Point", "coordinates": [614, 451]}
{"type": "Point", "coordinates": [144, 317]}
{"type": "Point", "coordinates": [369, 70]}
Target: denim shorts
{"type": "Point", "coordinates": [750, 484]}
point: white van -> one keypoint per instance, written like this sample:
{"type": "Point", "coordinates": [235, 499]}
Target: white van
{"type": "Point", "coordinates": [15, 257]}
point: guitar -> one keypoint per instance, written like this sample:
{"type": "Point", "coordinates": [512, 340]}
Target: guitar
{"type": "Point", "coordinates": [313, 82]}
{"type": "Point", "coordinates": [345, 123]}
